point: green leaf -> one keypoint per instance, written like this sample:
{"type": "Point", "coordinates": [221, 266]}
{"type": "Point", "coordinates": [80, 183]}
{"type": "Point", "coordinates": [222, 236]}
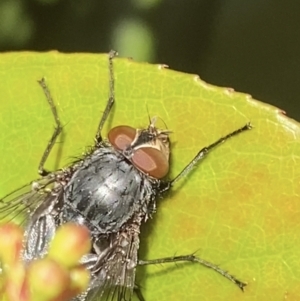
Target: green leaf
{"type": "Point", "coordinates": [239, 208]}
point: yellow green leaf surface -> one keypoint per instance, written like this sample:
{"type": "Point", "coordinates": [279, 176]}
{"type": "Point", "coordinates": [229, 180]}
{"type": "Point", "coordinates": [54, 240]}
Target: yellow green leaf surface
{"type": "Point", "coordinates": [239, 208]}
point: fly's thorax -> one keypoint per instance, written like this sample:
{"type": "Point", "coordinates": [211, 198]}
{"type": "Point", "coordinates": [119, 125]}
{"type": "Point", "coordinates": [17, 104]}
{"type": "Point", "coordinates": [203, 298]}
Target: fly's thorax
{"type": "Point", "coordinates": [106, 190]}
{"type": "Point", "coordinates": [148, 149]}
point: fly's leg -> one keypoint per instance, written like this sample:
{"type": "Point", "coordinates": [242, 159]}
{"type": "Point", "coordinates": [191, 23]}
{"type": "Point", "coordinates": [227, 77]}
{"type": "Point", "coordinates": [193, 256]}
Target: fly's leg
{"type": "Point", "coordinates": [165, 186]}
{"type": "Point", "coordinates": [202, 154]}
{"type": "Point", "coordinates": [58, 128]}
{"type": "Point", "coordinates": [138, 293]}
{"type": "Point", "coordinates": [111, 98]}
{"type": "Point", "coordinates": [195, 259]}
{"type": "Point", "coordinates": [204, 151]}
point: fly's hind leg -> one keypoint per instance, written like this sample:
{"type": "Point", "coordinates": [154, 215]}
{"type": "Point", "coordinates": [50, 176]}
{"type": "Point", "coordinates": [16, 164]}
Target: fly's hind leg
{"type": "Point", "coordinates": [195, 259]}
{"type": "Point", "coordinates": [57, 130]}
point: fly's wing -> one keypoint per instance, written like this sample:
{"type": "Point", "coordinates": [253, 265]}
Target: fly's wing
{"type": "Point", "coordinates": [113, 276]}
{"type": "Point", "coordinates": [32, 206]}
{"type": "Point", "coordinates": [37, 237]}
{"type": "Point", "coordinates": [19, 204]}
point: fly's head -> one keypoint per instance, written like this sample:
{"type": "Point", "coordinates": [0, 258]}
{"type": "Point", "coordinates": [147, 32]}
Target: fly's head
{"type": "Point", "coordinates": [148, 149]}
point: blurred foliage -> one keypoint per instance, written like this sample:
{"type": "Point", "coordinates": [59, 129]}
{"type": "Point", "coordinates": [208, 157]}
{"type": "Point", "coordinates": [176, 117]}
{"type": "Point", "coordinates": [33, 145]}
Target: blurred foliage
{"type": "Point", "coordinates": [145, 4]}
{"type": "Point", "coordinates": [133, 32]}
{"type": "Point", "coordinates": [56, 277]}
{"type": "Point", "coordinates": [252, 47]}
{"type": "Point", "coordinates": [16, 26]}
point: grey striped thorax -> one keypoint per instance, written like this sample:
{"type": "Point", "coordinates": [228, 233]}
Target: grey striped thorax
{"type": "Point", "coordinates": [106, 190]}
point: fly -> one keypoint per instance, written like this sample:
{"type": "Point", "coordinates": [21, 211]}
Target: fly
{"type": "Point", "coordinates": [112, 190]}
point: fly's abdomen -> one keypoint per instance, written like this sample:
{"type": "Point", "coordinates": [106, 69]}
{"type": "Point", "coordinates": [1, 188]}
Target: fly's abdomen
{"type": "Point", "coordinates": [105, 191]}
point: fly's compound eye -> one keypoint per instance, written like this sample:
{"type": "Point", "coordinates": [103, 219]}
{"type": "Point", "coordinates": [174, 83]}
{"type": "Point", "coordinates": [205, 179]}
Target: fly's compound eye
{"type": "Point", "coordinates": [121, 136]}
{"type": "Point", "coordinates": [151, 161]}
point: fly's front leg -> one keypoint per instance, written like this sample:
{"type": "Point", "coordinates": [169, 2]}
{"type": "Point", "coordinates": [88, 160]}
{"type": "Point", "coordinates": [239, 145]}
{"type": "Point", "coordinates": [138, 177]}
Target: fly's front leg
{"type": "Point", "coordinates": [204, 152]}
{"type": "Point", "coordinates": [58, 128]}
{"type": "Point", "coordinates": [166, 185]}
{"type": "Point", "coordinates": [111, 98]}
{"type": "Point", "coordinates": [195, 259]}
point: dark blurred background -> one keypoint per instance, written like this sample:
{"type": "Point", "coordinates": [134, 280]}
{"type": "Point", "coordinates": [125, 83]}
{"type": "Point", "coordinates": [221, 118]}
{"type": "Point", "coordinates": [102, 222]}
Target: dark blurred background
{"type": "Point", "coordinates": [252, 46]}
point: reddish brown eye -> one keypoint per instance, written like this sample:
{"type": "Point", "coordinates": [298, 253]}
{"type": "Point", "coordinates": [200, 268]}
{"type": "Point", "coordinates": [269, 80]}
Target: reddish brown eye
{"type": "Point", "coordinates": [121, 136]}
{"type": "Point", "coordinates": [151, 161]}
